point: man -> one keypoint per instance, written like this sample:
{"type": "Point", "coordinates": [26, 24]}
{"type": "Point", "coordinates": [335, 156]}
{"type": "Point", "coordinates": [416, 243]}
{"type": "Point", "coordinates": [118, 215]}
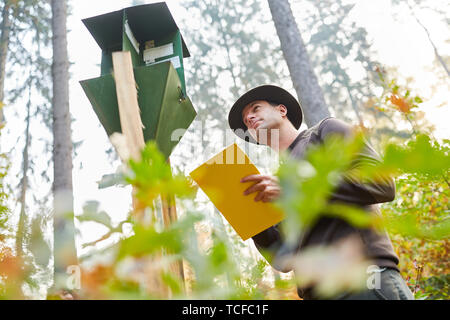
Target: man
{"type": "Point", "coordinates": [270, 115]}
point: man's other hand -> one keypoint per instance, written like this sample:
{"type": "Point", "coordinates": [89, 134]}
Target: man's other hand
{"type": "Point", "coordinates": [267, 187]}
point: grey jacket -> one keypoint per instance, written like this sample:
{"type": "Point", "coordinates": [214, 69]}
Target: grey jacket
{"type": "Point", "coordinates": [328, 230]}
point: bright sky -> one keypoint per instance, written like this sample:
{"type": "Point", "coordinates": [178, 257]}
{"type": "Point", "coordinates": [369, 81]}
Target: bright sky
{"type": "Point", "coordinates": [403, 43]}
{"type": "Point", "coordinates": [399, 43]}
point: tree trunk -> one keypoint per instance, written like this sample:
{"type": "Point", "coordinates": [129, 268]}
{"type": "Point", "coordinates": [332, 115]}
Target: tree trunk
{"type": "Point", "coordinates": [302, 74]}
{"type": "Point", "coordinates": [64, 230]}
{"type": "Point", "coordinates": [4, 43]}
{"type": "Point", "coordinates": [24, 183]}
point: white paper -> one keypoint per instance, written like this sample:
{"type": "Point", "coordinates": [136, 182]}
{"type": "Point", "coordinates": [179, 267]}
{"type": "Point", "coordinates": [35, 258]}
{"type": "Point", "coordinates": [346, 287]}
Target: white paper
{"type": "Point", "coordinates": [150, 55]}
{"type": "Point", "coordinates": [131, 37]}
{"type": "Point", "coordinates": [175, 62]}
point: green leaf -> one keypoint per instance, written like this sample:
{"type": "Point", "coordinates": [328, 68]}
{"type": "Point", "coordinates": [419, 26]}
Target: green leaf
{"type": "Point", "coordinates": [407, 94]}
{"type": "Point", "coordinates": [91, 213]}
{"type": "Point", "coordinates": [147, 240]}
{"type": "Point", "coordinates": [109, 180]}
{"type": "Point", "coordinates": [420, 156]}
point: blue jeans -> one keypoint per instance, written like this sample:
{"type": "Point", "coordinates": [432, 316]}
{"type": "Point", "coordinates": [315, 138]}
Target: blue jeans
{"type": "Point", "coordinates": [392, 287]}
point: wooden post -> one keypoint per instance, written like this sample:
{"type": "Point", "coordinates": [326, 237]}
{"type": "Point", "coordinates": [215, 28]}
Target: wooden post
{"type": "Point", "coordinates": [169, 208]}
{"type": "Point", "coordinates": [130, 118]}
{"type": "Point", "coordinates": [169, 211]}
{"type": "Point", "coordinates": [129, 112]}
{"type": "Point", "coordinates": [131, 125]}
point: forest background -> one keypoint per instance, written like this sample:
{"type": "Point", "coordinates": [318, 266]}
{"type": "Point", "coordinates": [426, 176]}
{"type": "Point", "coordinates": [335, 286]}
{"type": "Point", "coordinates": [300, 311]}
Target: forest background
{"type": "Point", "coordinates": [380, 66]}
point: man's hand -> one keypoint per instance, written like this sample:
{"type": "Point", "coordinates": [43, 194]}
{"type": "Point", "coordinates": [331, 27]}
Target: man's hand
{"type": "Point", "coordinates": [268, 187]}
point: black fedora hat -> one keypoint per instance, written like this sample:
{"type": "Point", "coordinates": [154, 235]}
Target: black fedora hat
{"type": "Point", "coordinates": [268, 93]}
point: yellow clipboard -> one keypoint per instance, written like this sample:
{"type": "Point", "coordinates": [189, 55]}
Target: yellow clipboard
{"type": "Point", "coordinates": [219, 178]}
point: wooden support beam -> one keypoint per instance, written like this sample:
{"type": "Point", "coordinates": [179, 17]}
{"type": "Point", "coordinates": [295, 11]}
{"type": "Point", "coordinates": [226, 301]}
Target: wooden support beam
{"type": "Point", "coordinates": [169, 210]}
{"type": "Point", "coordinates": [131, 125]}
{"type": "Point", "coordinates": [129, 112]}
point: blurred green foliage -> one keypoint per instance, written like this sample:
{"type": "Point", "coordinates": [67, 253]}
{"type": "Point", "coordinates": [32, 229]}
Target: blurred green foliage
{"type": "Point", "coordinates": [417, 221]}
{"type": "Point", "coordinates": [215, 272]}
{"type": "Point", "coordinates": [306, 186]}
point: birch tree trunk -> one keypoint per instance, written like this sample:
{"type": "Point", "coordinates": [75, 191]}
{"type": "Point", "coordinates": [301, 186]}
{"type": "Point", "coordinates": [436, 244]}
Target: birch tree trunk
{"type": "Point", "coordinates": [24, 183]}
{"type": "Point", "coordinates": [302, 74]}
{"type": "Point", "coordinates": [4, 43]}
{"type": "Point", "coordinates": [64, 230]}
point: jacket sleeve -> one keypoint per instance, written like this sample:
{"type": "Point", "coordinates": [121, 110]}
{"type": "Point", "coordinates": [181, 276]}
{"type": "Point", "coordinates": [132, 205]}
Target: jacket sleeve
{"type": "Point", "coordinates": [271, 241]}
{"type": "Point", "coordinates": [350, 190]}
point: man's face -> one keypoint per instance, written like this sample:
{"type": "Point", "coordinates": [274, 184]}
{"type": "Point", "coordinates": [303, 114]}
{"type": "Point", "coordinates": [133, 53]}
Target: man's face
{"type": "Point", "coordinates": [260, 117]}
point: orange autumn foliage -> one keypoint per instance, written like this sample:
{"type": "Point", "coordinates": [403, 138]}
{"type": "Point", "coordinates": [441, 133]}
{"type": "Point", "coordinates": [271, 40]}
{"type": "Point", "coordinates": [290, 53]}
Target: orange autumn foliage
{"type": "Point", "coordinates": [10, 265]}
{"type": "Point", "coordinates": [93, 280]}
{"type": "Point", "coordinates": [402, 105]}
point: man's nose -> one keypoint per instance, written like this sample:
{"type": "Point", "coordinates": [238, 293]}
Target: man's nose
{"type": "Point", "coordinates": [249, 118]}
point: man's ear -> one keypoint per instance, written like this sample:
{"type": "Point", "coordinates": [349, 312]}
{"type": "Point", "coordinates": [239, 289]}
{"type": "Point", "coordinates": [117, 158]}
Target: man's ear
{"type": "Point", "coordinates": [283, 109]}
